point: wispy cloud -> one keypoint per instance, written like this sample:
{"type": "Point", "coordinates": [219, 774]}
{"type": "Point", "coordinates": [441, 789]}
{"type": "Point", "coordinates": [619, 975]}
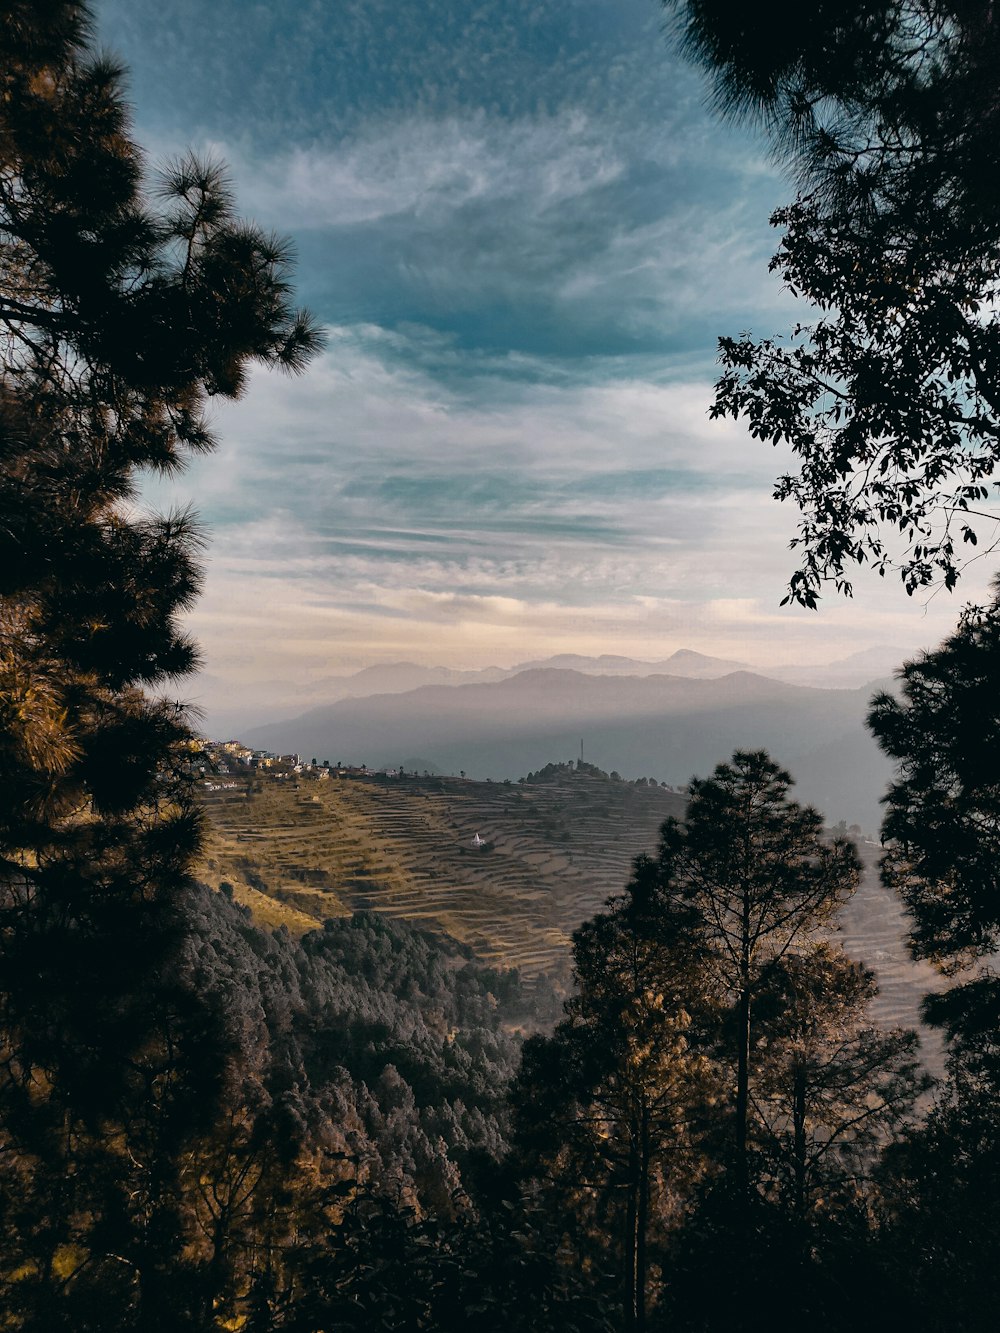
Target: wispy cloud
{"type": "Point", "coordinates": [525, 233]}
{"type": "Point", "coordinates": [429, 169]}
{"type": "Point", "coordinates": [368, 512]}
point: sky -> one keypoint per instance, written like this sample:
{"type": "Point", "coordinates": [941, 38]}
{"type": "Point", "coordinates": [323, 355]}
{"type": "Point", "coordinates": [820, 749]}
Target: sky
{"type": "Point", "coordinates": [524, 231]}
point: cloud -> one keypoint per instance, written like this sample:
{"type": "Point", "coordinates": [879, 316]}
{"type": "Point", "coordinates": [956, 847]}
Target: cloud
{"type": "Point", "coordinates": [429, 169]}
{"type": "Point", "coordinates": [309, 71]}
{"type": "Point", "coordinates": [532, 177]}
{"type": "Point", "coordinates": [369, 512]}
{"type": "Point", "coordinates": [525, 233]}
{"type": "Point", "coordinates": [555, 233]}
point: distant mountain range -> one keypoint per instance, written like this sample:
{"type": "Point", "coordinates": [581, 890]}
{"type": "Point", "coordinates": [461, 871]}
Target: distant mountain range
{"type": "Point", "coordinates": [633, 717]}
{"type": "Point", "coordinates": [397, 677]}
{"type": "Point", "coordinates": [871, 664]}
{"type": "Point", "coordinates": [286, 700]}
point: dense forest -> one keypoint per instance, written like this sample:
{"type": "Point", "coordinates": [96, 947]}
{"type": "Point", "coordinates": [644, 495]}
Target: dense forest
{"type": "Point", "coordinates": [204, 1125]}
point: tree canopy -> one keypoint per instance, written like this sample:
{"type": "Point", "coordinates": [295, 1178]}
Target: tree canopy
{"type": "Point", "coordinates": [890, 398]}
{"type": "Point", "coordinates": [127, 302]}
{"type": "Point", "coordinates": [716, 1083]}
{"type": "Point", "coordinates": [942, 821]}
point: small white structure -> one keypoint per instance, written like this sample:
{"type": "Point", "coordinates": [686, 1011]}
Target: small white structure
{"type": "Point", "coordinates": [477, 841]}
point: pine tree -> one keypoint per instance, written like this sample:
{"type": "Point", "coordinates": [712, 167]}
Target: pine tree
{"type": "Point", "coordinates": [610, 1108]}
{"type": "Point", "coordinates": [126, 305]}
{"type": "Point", "coordinates": [717, 1083]}
{"type": "Point", "coordinates": [942, 821]}
{"type": "Point", "coordinates": [812, 1089]}
{"type": "Point", "coordinates": [763, 883]}
{"type": "Point", "coordinates": [942, 839]}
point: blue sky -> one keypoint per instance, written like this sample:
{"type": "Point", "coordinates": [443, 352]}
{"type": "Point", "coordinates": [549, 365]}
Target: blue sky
{"type": "Point", "coordinates": [524, 232]}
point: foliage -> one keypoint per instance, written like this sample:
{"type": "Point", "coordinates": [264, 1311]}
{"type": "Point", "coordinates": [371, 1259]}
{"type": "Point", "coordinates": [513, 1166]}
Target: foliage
{"type": "Point", "coordinates": [941, 1182]}
{"type": "Point", "coordinates": [941, 831]}
{"type": "Point", "coordinates": [126, 305]}
{"type": "Point", "coordinates": [716, 1088]}
{"type": "Point", "coordinates": [942, 822]}
{"type": "Point", "coordinates": [373, 1062]}
{"type": "Point", "coordinates": [762, 882]}
{"type": "Point", "coordinates": [381, 1266]}
{"type": "Point", "coordinates": [603, 1107]}
{"type": "Point", "coordinates": [876, 103]}
{"type": "Point", "coordinates": [832, 1089]}
{"type": "Point", "coordinates": [890, 401]}
{"type": "Point", "coordinates": [366, 1062]}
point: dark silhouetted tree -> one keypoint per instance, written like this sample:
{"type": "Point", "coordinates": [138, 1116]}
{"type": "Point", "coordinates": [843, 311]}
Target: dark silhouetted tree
{"type": "Point", "coordinates": [833, 1089]}
{"type": "Point", "coordinates": [942, 840]}
{"type": "Point", "coordinates": [811, 1090]}
{"type": "Point", "coordinates": [762, 882]}
{"type": "Point", "coordinates": [717, 1087]}
{"type": "Point", "coordinates": [942, 821]}
{"type": "Point", "coordinates": [889, 113]}
{"type": "Point", "coordinates": [603, 1107]}
{"type": "Point", "coordinates": [126, 305]}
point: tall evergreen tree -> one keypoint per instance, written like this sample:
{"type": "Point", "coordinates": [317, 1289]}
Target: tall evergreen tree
{"type": "Point", "coordinates": [942, 821]}
{"type": "Point", "coordinates": [609, 1109]}
{"type": "Point", "coordinates": [717, 1059]}
{"type": "Point", "coordinates": [763, 882]}
{"type": "Point", "coordinates": [812, 1090]}
{"type": "Point", "coordinates": [126, 305]}
{"type": "Point", "coordinates": [942, 838]}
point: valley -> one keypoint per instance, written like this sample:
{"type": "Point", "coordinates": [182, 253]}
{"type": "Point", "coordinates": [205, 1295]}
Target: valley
{"type": "Point", "coordinates": [554, 849]}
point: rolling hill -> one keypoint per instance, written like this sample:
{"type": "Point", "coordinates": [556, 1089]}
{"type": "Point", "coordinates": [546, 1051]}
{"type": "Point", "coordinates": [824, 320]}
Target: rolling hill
{"type": "Point", "coordinates": [297, 852]}
{"type": "Point", "coordinates": [665, 726]}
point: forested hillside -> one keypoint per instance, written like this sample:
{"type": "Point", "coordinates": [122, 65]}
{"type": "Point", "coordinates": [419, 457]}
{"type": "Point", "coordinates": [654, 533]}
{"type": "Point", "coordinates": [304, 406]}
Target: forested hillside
{"type": "Point", "coordinates": [555, 847]}
{"type": "Point", "coordinates": [370, 1043]}
{"type": "Point", "coordinates": [552, 849]}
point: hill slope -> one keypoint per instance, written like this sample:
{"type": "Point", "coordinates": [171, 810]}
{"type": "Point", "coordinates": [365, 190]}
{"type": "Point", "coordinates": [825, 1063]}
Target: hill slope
{"type": "Point", "coordinates": [555, 850]}
{"type": "Point", "coordinates": [669, 727]}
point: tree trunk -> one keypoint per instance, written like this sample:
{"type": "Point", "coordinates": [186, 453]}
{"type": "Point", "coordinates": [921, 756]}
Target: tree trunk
{"type": "Point", "coordinates": [742, 1165]}
{"type": "Point", "coordinates": [641, 1221]}
{"type": "Point", "coordinates": [637, 1222]}
{"type": "Point", "coordinates": [799, 1140]}
{"type": "Point", "coordinates": [632, 1235]}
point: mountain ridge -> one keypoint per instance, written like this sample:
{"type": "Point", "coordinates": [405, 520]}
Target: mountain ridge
{"type": "Point", "coordinates": [667, 727]}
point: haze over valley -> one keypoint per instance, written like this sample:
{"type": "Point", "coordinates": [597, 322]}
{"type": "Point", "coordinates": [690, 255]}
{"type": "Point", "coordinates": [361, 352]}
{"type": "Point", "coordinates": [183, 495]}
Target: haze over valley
{"type": "Point", "coordinates": [670, 720]}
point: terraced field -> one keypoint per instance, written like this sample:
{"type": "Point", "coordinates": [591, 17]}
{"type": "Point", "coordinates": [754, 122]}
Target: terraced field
{"type": "Point", "coordinates": [873, 928]}
{"type": "Point", "coordinates": [301, 851]}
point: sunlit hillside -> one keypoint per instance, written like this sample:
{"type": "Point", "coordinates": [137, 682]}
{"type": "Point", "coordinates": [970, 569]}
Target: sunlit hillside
{"type": "Point", "coordinates": [551, 852]}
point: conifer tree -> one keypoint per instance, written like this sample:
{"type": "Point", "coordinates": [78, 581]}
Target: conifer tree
{"type": "Point", "coordinates": [811, 1088]}
{"type": "Point", "coordinates": [610, 1109]}
{"type": "Point", "coordinates": [762, 882]}
{"type": "Point", "coordinates": [126, 304]}
{"type": "Point", "coordinates": [942, 822]}
{"type": "Point", "coordinates": [717, 1075]}
{"type": "Point", "coordinates": [942, 839]}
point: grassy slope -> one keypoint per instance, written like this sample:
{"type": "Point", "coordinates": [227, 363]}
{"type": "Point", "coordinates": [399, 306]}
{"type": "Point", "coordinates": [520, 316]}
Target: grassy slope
{"type": "Point", "coordinates": [299, 852]}
{"type": "Point", "coordinates": [320, 849]}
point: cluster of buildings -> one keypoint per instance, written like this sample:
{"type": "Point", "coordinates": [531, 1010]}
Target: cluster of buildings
{"type": "Point", "coordinates": [213, 760]}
